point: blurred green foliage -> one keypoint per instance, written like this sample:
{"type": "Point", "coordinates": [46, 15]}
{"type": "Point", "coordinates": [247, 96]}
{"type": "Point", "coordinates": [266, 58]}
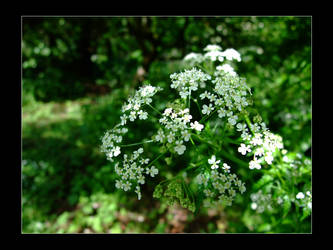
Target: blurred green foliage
{"type": "Point", "coordinates": [77, 72]}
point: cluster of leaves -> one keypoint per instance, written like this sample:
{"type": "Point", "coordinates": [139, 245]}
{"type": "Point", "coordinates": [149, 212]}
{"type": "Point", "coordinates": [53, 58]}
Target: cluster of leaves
{"type": "Point", "coordinates": [175, 191]}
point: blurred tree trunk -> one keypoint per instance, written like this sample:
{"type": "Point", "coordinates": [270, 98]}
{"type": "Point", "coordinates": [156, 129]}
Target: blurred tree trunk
{"type": "Point", "coordinates": [140, 28]}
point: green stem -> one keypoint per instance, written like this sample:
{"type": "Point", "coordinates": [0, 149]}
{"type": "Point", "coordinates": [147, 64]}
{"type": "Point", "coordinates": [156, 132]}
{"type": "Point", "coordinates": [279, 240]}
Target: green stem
{"type": "Point", "coordinates": [216, 147]}
{"type": "Point", "coordinates": [248, 123]}
{"type": "Point", "coordinates": [186, 169]}
{"type": "Point", "coordinates": [196, 102]}
{"type": "Point", "coordinates": [189, 101]}
{"type": "Point", "coordinates": [156, 159]}
{"type": "Point", "coordinates": [224, 153]}
{"type": "Point", "coordinates": [234, 159]}
{"type": "Point", "coordinates": [195, 146]}
{"type": "Point", "coordinates": [228, 140]}
{"type": "Point", "coordinates": [206, 116]}
{"type": "Point", "coordinates": [211, 68]}
{"type": "Point", "coordinates": [202, 68]}
{"type": "Point", "coordinates": [138, 143]}
{"type": "Point", "coordinates": [278, 174]}
{"type": "Point", "coordinates": [154, 109]}
{"type": "Point", "coordinates": [215, 127]}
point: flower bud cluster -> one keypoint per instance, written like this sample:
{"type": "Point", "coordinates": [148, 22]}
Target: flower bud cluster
{"type": "Point", "coordinates": [176, 129]}
{"type": "Point", "coordinates": [132, 109]}
{"type": "Point", "coordinates": [232, 89]}
{"type": "Point", "coordinates": [261, 202]}
{"type": "Point", "coordinates": [219, 186]}
{"type": "Point", "coordinates": [133, 171]}
{"type": "Point", "coordinates": [189, 80]}
{"type": "Point", "coordinates": [111, 140]}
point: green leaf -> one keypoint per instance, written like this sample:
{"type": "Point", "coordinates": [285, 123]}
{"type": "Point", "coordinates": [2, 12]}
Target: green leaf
{"type": "Point", "coordinates": [286, 207]}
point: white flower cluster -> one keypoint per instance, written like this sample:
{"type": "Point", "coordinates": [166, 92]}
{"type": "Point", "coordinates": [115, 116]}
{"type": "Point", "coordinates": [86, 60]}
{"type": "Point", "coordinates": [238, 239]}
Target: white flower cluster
{"type": "Point", "coordinates": [216, 183]}
{"type": "Point", "coordinates": [213, 53]}
{"type": "Point", "coordinates": [232, 89]}
{"type": "Point", "coordinates": [261, 201]}
{"type": "Point", "coordinates": [262, 144]}
{"type": "Point", "coordinates": [177, 128]}
{"type": "Point", "coordinates": [133, 171]}
{"type": "Point", "coordinates": [229, 97]}
{"type": "Point", "coordinates": [304, 200]}
{"type": "Point", "coordinates": [231, 54]}
{"type": "Point", "coordinates": [227, 69]}
{"type": "Point", "coordinates": [193, 58]}
{"type": "Point", "coordinates": [188, 81]}
{"type": "Point", "coordinates": [212, 47]}
{"type": "Point", "coordinates": [133, 108]}
{"type": "Point", "coordinates": [111, 140]}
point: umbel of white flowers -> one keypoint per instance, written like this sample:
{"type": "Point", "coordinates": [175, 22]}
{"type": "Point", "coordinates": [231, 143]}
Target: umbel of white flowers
{"type": "Point", "coordinates": [227, 95]}
{"type": "Point", "coordinates": [213, 53]}
{"type": "Point", "coordinates": [133, 170]}
{"type": "Point", "coordinates": [176, 128]}
{"type": "Point", "coordinates": [219, 187]}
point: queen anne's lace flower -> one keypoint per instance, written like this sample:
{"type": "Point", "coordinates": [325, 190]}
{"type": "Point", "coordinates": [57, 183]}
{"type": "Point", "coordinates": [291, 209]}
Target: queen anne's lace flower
{"type": "Point", "coordinates": [197, 126]}
{"type": "Point", "coordinates": [207, 109]}
{"type": "Point", "coordinates": [142, 115]}
{"type": "Point", "coordinates": [152, 171]}
{"type": "Point", "coordinates": [213, 162]}
{"type": "Point", "coordinates": [221, 113]}
{"type": "Point", "coordinates": [180, 148]}
{"type": "Point", "coordinates": [187, 118]}
{"type": "Point", "coordinates": [226, 167]}
{"type": "Point", "coordinates": [204, 95]}
{"type": "Point", "coordinates": [257, 140]}
{"type": "Point", "coordinates": [269, 158]}
{"type": "Point", "coordinates": [244, 149]}
{"type": "Point", "coordinates": [300, 195]}
{"type": "Point", "coordinates": [254, 164]}
{"type": "Point", "coordinates": [160, 136]}
{"type": "Point", "coordinates": [241, 127]}
{"type": "Point", "coordinates": [231, 54]}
